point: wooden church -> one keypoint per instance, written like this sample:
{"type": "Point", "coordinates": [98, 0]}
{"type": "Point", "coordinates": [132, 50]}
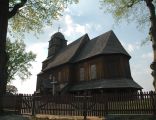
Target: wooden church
{"type": "Point", "coordinates": [98, 65]}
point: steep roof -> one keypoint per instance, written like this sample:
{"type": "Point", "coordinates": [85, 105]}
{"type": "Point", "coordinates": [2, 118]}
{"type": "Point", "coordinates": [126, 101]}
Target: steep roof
{"type": "Point", "coordinates": [105, 84]}
{"type": "Point", "coordinates": [67, 53]}
{"type": "Point", "coordinates": [83, 48]}
{"type": "Point", "coordinates": [106, 43]}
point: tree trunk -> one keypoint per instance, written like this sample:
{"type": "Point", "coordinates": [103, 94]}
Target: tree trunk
{"type": "Point", "coordinates": [152, 33]}
{"type": "Point", "coordinates": [153, 65]}
{"type": "Point", "coordinates": [4, 9]}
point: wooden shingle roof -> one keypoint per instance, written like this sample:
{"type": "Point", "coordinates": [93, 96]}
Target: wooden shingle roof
{"type": "Point", "coordinates": [84, 48]}
{"type": "Point", "coordinates": [106, 43]}
{"type": "Point", "coordinates": [67, 53]}
{"type": "Point", "coordinates": [105, 84]}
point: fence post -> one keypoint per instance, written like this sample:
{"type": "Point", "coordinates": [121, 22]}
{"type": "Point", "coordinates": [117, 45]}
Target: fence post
{"type": "Point", "coordinates": [33, 105]}
{"type": "Point", "coordinates": [19, 103]}
{"type": "Point", "coordinates": [153, 97]}
{"type": "Point", "coordinates": [85, 107]}
{"type": "Point", "coordinates": [106, 97]}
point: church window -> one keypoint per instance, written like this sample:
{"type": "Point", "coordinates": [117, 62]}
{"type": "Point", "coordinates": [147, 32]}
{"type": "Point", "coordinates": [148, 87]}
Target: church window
{"type": "Point", "coordinates": [93, 71]}
{"type": "Point", "coordinates": [59, 76]}
{"type": "Point", "coordinates": [81, 74]}
{"type": "Point", "coordinates": [53, 50]}
{"type": "Point", "coordinates": [54, 41]}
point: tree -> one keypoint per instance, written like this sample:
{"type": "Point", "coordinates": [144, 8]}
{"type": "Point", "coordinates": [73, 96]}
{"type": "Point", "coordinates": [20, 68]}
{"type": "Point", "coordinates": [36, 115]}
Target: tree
{"type": "Point", "coordinates": [4, 6]}
{"type": "Point", "coordinates": [143, 12]}
{"type": "Point", "coordinates": [24, 16]}
{"type": "Point", "coordinates": [19, 60]}
{"type": "Point", "coordinates": [11, 89]}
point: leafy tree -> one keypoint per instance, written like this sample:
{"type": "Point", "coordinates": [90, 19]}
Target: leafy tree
{"type": "Point", "coordinates": [19, 60]}
{"type": "Point", "coordinates": [11, 89]}
{"type": "Point", "coordinates": [24, 16]}
{"type": "Point", "coordinates": [32, 15]}
{"type": "Point", "coordinates": [141, 11]}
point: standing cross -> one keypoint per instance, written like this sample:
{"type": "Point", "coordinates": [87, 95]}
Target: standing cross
{"type": "Point", "coordinates": [53, 83]}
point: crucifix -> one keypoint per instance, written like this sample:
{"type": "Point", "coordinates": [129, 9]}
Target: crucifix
{"type": "Point", "coordinates": [53, 83]}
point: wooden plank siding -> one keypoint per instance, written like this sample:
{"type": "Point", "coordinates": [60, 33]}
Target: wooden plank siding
{"type": "Point", "coordinates": [113, 66]}
{"type": "Point", "coordinates": [110, 66]}
{"type": "Point", "coordinates": [64, 71]}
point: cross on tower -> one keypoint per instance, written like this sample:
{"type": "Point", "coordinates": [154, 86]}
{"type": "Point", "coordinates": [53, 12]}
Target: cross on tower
{"type": "Point", "coordinates": [59, 28]}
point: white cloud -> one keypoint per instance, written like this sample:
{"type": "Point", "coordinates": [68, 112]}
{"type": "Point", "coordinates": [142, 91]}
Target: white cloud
{"type": "Point", "coordinates": [68, 20]}
{"type": "Point", "coordinates": [88, 26]}
{"type": "Point", "coordinates": [69, 25]}
{"type": "Point", "coordinates": [147, 55]}
{"type": "Point", "coordinates": [72, 28]}
{"type": "Point", "coordinates": [73, 12]}
{"type": "Point", "coordinates": [98, 27]}
{"type": "Point", "coordinates": [130, 47]}
{"type": "Point", "coordinates": [35, 46]}
{"type": "Point", "coordinates": [80, 29]}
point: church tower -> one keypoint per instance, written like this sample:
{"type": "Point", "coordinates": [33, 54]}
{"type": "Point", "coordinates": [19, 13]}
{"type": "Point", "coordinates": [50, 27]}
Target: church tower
{"type": "Point", "coordinates": [56, 43]}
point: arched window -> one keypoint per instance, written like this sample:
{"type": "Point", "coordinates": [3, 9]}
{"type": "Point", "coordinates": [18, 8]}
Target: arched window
{"type": "Point", "coordinates": [81, 74]}
{"type": "Point", "coordinates": [59, 76]}
{"type": "Point", "coordinates": [93, 71]}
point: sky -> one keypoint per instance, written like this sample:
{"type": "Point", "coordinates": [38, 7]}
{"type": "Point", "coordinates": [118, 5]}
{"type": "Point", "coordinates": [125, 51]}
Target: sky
{"type": "Point", "coordinates": [87, 17]}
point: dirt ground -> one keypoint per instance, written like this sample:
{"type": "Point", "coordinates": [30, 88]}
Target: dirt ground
{"type": "Point", "coordinates": [46, 117]}
{"type": "Point", "coordinates": [53, 117]}
{"type": "Point", "coordinates": [14, 117]}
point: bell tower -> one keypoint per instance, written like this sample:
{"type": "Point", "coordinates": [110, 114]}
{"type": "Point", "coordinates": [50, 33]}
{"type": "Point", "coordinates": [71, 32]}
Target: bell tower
{"type": "Point", "coordinates": [56, 43]}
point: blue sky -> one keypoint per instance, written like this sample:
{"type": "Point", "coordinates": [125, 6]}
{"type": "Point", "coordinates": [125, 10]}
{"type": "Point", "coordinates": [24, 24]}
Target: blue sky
{"type": "Point", "coordinates": [87, 17]}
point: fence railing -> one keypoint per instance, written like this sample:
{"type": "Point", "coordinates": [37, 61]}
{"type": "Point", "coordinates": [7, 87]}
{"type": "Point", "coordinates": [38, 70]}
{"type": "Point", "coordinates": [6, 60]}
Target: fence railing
{"type": "Point", "coordinates": [82, 105]}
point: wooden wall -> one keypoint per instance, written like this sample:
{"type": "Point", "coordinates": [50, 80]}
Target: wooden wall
{"type": "Point", "coordinates": [63, 70]}
{"type": "Point", "coordinates": [108, 66]}
{"type": "Point", "coordinates": [86, 65]}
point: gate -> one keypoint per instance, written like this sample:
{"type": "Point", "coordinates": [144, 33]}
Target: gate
{"type": "Point", "coordinates": [71, 105]}
{"type": "Point", "coordinates": [26, 104]}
